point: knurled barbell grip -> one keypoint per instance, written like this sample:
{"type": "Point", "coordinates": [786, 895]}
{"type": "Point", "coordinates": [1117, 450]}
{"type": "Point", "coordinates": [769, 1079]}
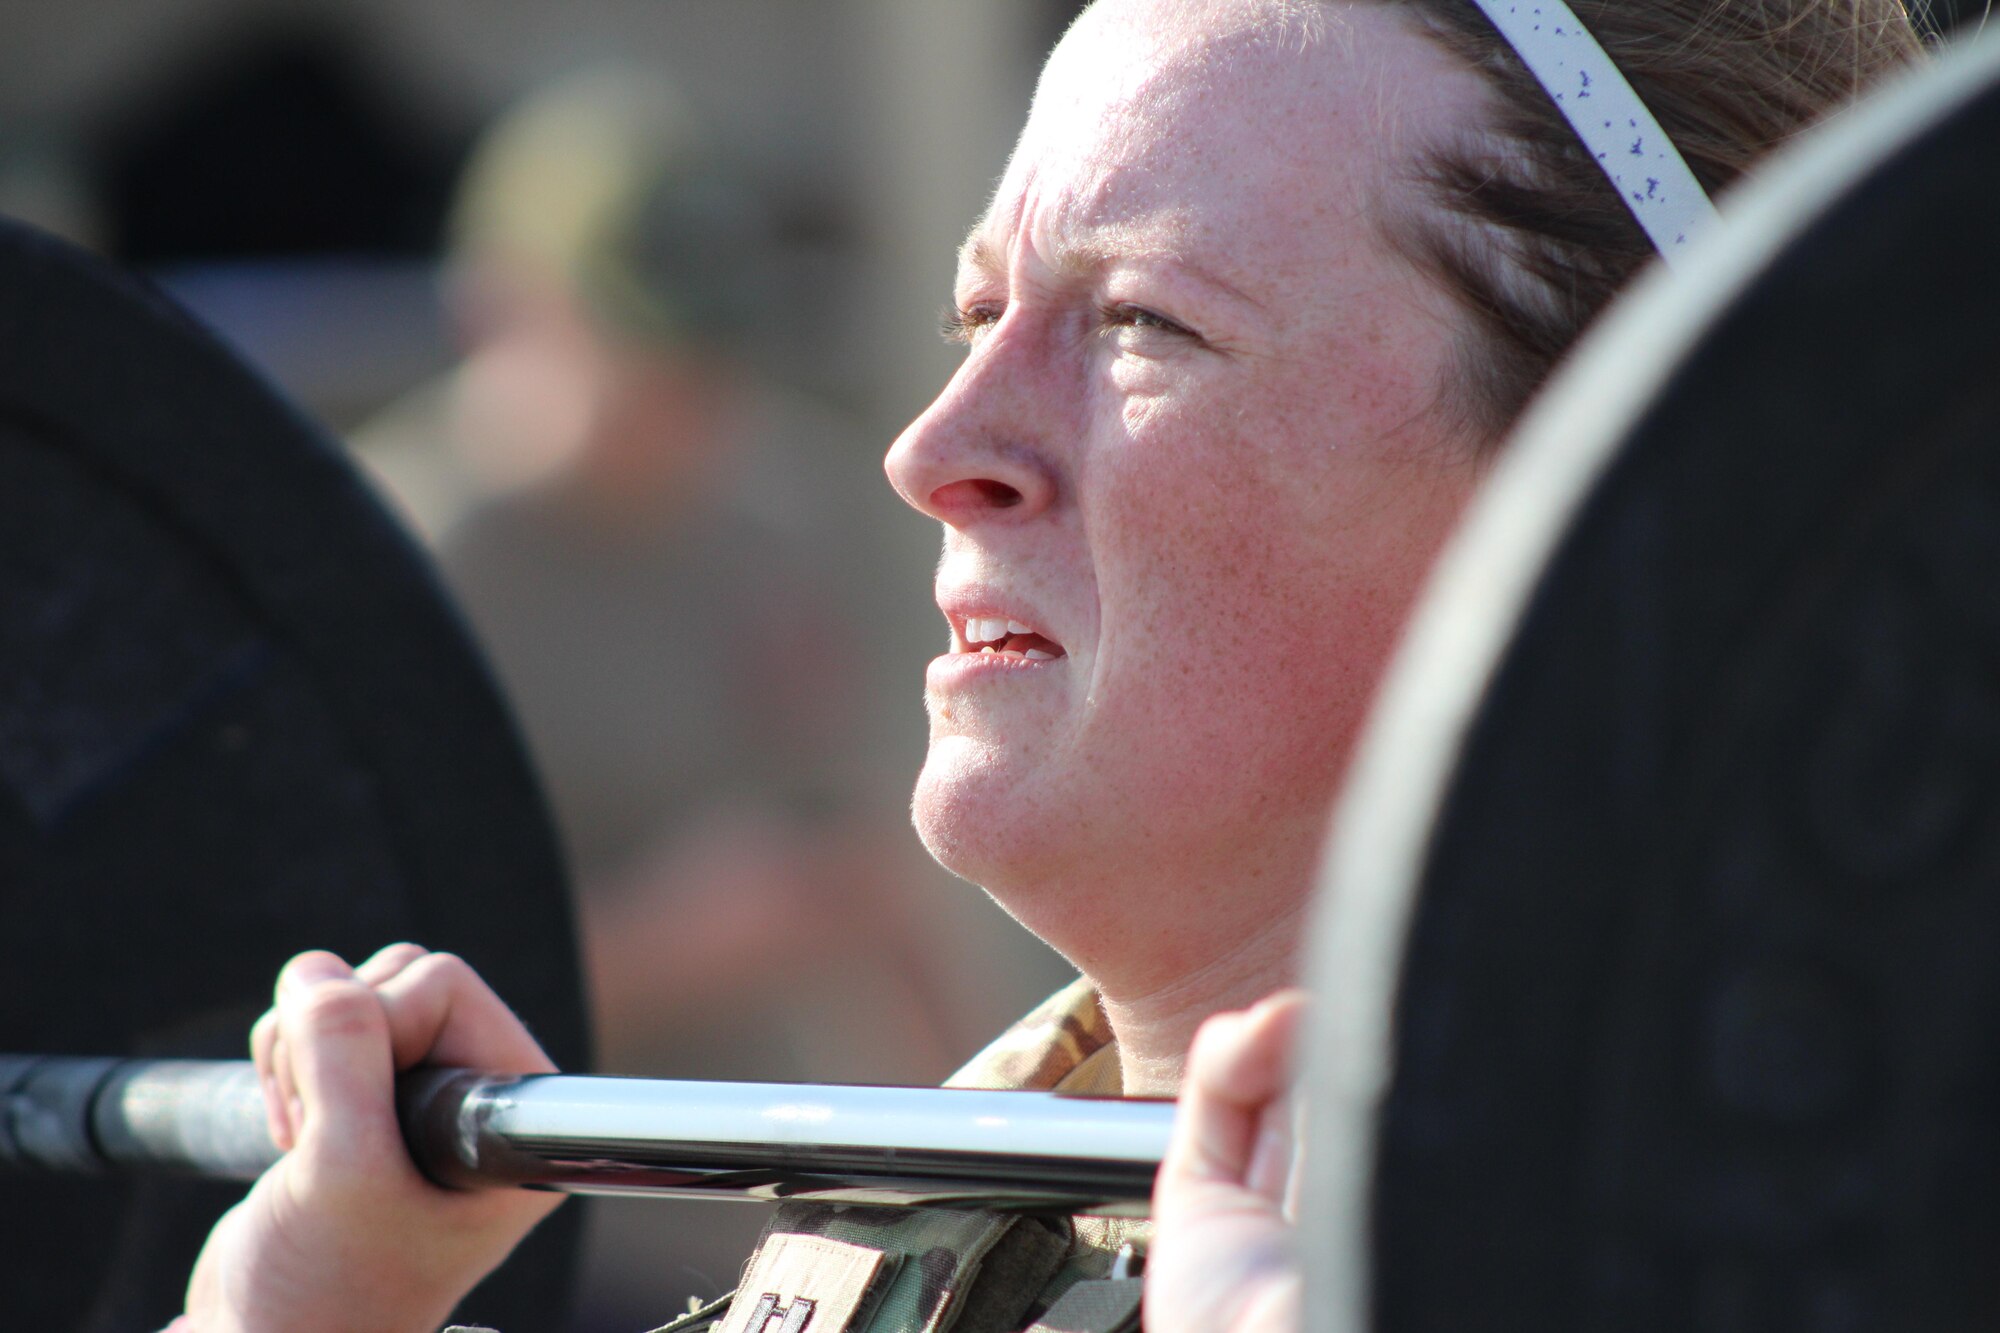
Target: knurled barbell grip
{"type": "Point", "coordinates": [85, 1115]}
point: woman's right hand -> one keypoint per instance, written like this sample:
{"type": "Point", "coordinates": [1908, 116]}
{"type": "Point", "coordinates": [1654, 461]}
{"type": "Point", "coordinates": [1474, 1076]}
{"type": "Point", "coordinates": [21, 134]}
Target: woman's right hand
{"type": "Point", "coordinates": [1224, 1206]}
{"type": "Point", "coordinates": [343, 1233]}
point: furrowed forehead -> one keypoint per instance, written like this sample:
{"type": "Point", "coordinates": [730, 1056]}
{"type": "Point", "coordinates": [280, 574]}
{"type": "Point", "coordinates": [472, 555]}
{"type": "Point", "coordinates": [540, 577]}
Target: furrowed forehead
{"type": "Point", "coordinates": [1080, 245]}
{"type": "Point", "coordinates": [1101, 170]}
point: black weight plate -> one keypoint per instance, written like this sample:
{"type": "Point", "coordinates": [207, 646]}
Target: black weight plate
{"type": "Point", "coordinates": [237, 719]}
{"type": "Point", "coordinates": [1660, 967]}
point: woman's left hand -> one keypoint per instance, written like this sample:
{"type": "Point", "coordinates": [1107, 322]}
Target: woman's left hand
{"type": "Point", "coordinates": [1222, 1258]}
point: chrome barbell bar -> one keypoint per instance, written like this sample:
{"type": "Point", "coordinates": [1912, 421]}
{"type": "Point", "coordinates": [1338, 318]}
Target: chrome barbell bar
{"type": "Point", "coordinates": [924, 1147]}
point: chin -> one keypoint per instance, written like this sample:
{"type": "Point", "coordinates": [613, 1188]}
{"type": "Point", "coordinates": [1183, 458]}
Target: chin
{"type": "Point", "coordinates": [952, 829]}
{"type": "Point", "coordinates": [977, 821]}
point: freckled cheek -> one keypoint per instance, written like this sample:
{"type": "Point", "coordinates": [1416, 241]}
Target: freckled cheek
{"type": "Point", "coordinates": [1240, 594]}
{"type": "Point", "coordinates": [1227, 476]}
{"type": "Point", "coordinates": [1201, 566]}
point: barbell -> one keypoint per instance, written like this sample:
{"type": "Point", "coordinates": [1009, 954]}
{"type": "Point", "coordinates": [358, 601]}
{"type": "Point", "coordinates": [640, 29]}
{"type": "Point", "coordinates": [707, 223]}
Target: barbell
{"type": "Point", "coordinates": [966, 1148]}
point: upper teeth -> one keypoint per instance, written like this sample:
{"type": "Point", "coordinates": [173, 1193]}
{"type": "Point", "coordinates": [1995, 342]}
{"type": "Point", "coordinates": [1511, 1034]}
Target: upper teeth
{"type": "Point", "coordinates": [992, 629]}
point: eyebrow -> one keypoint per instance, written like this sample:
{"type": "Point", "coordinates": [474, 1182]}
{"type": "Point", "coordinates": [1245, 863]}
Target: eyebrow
{"type": "Point", "coordinates": [981, 253]}
{"type": "Point", "coordinates": [978, 252]}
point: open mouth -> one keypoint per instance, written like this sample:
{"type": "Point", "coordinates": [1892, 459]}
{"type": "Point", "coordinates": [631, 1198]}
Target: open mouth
{"type": "Point", "coordinates": [1004, 637]}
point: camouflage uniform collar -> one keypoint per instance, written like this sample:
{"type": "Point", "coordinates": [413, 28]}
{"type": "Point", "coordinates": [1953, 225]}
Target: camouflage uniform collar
{"type": "Point", "coordinates": [1064, 1043]}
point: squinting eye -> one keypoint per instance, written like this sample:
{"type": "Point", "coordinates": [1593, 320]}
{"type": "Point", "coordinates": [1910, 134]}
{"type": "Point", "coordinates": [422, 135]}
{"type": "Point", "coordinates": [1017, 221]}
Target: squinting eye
{"type": "Point", "coordinates": [1138, 317]}
{"type": "Point", "coordinates": [963, 325]}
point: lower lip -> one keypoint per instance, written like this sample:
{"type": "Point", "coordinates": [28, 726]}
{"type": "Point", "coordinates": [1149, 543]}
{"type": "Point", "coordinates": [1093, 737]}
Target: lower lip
{"type": "Point", "coordinates": [956, 667]}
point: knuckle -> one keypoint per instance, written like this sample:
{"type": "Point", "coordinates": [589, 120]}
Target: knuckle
{"type": "Point", "coordinates": [308, 968]}
{"type": "Point", "coordinates": [446, 969]}
{"type": "Point", "coordinates": [313, 959]}
{"type": "Point", "coordinates": [402, 951]}
{"type": "Point", "coordinates": [389, 962]}
{"type": "Point", "coordinates": [1216, 1030]}
{"type": "Point", "coordinates": [1215, 1042]}
{"type": "Point", "coordinates": [339, 1009]}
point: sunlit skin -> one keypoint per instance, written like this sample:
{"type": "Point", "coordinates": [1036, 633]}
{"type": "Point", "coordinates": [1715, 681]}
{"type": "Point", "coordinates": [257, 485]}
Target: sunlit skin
{"type": "Point", "coordinates": [1197, 442]}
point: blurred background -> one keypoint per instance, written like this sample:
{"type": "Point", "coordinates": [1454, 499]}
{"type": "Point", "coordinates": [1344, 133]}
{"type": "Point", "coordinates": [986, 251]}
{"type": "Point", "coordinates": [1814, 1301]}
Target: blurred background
{"type": "Point", "coordinates": [620, 301]}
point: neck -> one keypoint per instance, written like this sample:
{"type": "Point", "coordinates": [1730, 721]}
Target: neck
{"type": "Point", "coordinates": [1155, 1026]}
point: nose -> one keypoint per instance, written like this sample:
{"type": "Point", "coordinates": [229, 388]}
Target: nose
{"type": "Point", "coordinates": [972, 456]}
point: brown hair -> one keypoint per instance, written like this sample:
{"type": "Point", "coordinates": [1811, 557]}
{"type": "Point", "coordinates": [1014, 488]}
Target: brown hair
{"type": "Point", "coordinates": [1533, 240]}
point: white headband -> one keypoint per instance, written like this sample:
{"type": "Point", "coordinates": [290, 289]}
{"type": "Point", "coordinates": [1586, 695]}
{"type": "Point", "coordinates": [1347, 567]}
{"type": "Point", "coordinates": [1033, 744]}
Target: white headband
{"type": "Point", "coordinates": [1615, 126]}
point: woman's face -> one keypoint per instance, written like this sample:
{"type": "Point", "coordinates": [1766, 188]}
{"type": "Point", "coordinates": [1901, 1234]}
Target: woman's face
{"type": "Point", "coordinates": [1194, 449]}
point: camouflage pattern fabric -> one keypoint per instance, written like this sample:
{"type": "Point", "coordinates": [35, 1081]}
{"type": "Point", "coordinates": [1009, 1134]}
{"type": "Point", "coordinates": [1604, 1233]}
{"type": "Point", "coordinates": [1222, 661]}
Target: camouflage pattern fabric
{"type": "Point", "coordinates": [1058, 1041]}
{"type": "Point", "coordinates": [979, 1272]}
